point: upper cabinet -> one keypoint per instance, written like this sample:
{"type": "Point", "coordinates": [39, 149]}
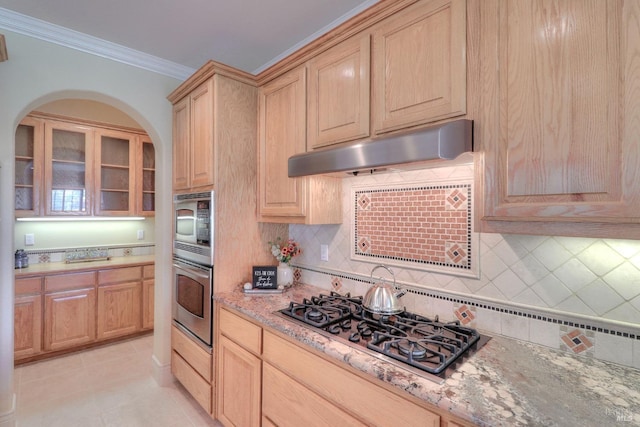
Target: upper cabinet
{"type": "Point", "coordinates": [281, 134]}
{"type": "Point", "coordinates": [339, 86]}
{"type": "Point", "coordinates": [419, 65]}
{"type": "Point", "coordinates": [559, 124]}
{"type": "Point", "coordinates": [72, 168]}
{"type": "Point", "coordinates": [193, 145]}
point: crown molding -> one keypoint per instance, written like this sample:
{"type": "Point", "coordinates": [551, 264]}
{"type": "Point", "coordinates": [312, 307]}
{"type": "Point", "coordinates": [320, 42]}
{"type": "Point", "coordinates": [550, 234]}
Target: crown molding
{"type": "Point", "coordinates": [42, 30]}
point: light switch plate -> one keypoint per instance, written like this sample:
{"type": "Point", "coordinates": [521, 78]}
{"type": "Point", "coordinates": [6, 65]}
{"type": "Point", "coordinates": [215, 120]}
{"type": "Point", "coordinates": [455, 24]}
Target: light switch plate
{"type": "Point", "coordinates": [324, 252]}
{"type": "Point", "coordinates": [29, 240]}
{"type": "Point", "coordinates": [140, 234]}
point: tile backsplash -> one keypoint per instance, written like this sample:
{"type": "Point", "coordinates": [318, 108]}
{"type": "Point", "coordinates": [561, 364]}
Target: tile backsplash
{"type": "Point", "coordinates": [581, 295]}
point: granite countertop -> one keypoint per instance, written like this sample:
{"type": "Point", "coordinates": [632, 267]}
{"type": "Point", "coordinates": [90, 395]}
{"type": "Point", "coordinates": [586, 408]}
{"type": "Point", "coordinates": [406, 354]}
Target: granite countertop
{"type": "Point", "coordinates": [61, 267]}
{"type": "Point", "coordinates": [506, 383]}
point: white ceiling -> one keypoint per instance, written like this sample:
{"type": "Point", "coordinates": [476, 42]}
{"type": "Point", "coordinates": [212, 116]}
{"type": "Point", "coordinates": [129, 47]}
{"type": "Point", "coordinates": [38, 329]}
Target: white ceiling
{"type": "Point", "coordinates": [246, 34]}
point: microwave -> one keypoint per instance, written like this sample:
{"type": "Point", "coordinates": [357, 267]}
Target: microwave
{"type": "Point", "coordinates": [193, 227]}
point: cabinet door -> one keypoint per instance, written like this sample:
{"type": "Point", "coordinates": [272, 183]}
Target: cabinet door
{"type": "Point", "coordinates": [181, 144]}
{"type": "Point", "coordinates": [282, 134]}
{"type": "Point", "coordinates": [338, 105]}
{"type": "Point", "coordinates": [29, 164]}
{"type": "Point", "coordinates": [27, 326]}
{"type": "Point", "coordinates": [560, 130]}
{"type": "Point", "coordinates": [419, 65]}
{"type": "Point", "coordinates": [115, 174]}
{"type": "Point", "coordinates": [239, 385]}
{"type": "Point", "coordinates": [146, 178]}
{"type": "Point", "coordinates": [202, 148]}
{"type": "Point", "coordinates": [69, 318]}
{"type": "Point", "coordinates": [68, 168]}
{"type": "Point", "coordinates": [119, 309]}
{"type": "Point", "coordinates": [148, 289]}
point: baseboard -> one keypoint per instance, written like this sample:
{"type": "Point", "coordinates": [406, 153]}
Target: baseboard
{"type": "Point", "coordinates": [161, 373]}
{"type": "Point", "coordinates": [8, 419]}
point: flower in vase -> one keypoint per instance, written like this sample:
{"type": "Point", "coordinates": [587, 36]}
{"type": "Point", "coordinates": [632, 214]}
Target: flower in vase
{"type": "Point", "coordinates": [284, 251]}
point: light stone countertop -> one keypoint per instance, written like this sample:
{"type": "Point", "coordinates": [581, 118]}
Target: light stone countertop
{"type": "Point", "coordinates": [62, 267]}
{"type": "Point", "coordinates": [506, 383]}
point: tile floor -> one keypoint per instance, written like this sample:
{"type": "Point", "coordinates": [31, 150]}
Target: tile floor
{"type": "Point", "coordinates": [103, 387]}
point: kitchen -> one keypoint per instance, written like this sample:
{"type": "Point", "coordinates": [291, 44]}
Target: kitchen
{"type": "Point", "coordinates": [497, 304]}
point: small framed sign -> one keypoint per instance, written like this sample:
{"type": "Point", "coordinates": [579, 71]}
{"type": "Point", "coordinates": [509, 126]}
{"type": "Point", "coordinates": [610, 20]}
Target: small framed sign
{"type": "Point", "coordinates": [265, 277]}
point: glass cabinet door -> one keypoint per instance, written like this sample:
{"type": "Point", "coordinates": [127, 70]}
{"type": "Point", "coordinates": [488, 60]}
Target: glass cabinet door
{"type": "Point", "coordinates": [28, 167]}
{"type": "Point", "coordinates": [68, 168]}
{"type": "Point", "coordinates": [115, 179]}
{"type": "Point", "coordinates": [146, 176]}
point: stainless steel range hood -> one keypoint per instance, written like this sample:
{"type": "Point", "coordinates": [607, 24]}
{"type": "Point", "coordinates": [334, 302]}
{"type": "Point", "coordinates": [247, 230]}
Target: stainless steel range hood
{"type": "Point", "coordinates": [442, 142]}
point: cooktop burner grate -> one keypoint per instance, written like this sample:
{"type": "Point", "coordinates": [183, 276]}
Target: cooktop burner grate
{"type": "Point", "coordinates": [428, 345]}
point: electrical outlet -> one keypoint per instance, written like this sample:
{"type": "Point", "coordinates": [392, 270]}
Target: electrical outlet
{"type": "Point", "coordinates": [324, 252]}
{"type": "Point", "coordinates": [29, 240]}
{"type": "Point", "coordinates": [140, 234]}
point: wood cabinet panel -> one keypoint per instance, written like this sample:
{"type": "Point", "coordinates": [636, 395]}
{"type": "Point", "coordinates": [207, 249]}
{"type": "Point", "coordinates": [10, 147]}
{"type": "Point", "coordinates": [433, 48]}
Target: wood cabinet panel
{"type": "Point", "coordinates": [282, 133]}
{"type": "Point", "coordinates": [239, 385]}
{"type": "Point", "coordinates": [115, 275]}
{"type": "Point", "coordinates": [28, 285]}
{"type": "Point", "coordinates": [560, 132]}
{"type": "Point", "coordinates": [145, 177]}
{"type": "Point", "coordinates": [199, 359]}
{"type": "Point", "coordinates": [69, 318]}
{"type": "Point", "coordinates": [419, 65]}
{"type": "Point", "coordinates": [194, 383]}
{"type": "Point", "coordinates": [119, 309]}
{"type": "Point", "coordinates": [148, 298]}
{"type": "Point", "coordinates": [246, 334]}
{"type": "Point", "coordinates": [287, 403]}
{"type": "Point", "coordinates": [27, 326]}
{"type": "Point", "coordinates": [61, 282]}
{"type": "Point", "coordinates": [339, 88]}
{"type": "Point", "coordinates": [181, 144]}
{"type": "Point", "coordinates": [372, 403]}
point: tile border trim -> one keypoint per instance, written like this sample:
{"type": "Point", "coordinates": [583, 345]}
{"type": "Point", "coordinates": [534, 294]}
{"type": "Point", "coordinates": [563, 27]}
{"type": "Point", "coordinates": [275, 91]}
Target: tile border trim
{"type": "Point", "coordinates": [520, 312]}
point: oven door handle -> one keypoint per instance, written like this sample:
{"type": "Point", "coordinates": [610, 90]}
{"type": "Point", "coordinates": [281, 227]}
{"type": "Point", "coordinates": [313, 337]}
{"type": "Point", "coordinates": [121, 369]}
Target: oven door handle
{"type": "Point", "coordinates": [191, 271]}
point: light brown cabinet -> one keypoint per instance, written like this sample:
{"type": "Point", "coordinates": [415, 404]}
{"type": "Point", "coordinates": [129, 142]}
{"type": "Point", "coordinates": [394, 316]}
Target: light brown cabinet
{"type": "Point", "coordinates": [338, 89]}
{"type": "Point", "coordinates": [239, 370]}
{"type": "Point", "coordinates": [193, 367]}
{"type": "Point", "coordinates": [69, 310]}
{"type": "Point", "coordinates": [281, 134]}
{"type": "Point", "coordinates": [119, 302]}
{"type": "Point", "coordinates": [419, 65]}
{"type": "Point", "coordinates": [265, 378]}
{"type": "Point", "coordinates": [28, 317]}
{"type": "Point", "coordinates": [193, 141]}
{"type": "Point", "coordinates": [559, 125]}
{"type": "Point", "coordinates": [58, 312]}
{"type": "Point", "coordinates": [66, 167]}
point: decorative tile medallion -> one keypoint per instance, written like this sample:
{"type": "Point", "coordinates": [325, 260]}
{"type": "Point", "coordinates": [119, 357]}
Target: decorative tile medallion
{"type": "Point", "coordinates": [44, 258]}
{"type": "Point", "coordinates": [465, 314]}
{"type": "Point", "coordinates": [423, 226]}
{"type": "Point", "coordinates": [577, 340]}
{"type": "Point", "coordinates": [336, 283]}
{"type": "Point", "coordinates": [297, 275]}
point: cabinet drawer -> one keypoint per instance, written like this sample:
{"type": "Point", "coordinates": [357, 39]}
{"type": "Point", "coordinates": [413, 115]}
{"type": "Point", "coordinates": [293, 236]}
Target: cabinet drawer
{"type": "Point", "coordinates": [28, 285]}
{"type": "Point", "coordinates": [196, 357]}
{"type": "Point", "coordinates": [287, 403]}
{"type": "Point", "coordinates": [127, 274]}
{"type": "Point", "coordinates": [243, 332]}
{"type": "Point", "coordinates": [148, 271]}
{"type": "Point", "coordinates": [374, 404]}
{"type": "Point", "coordinates": [194, 383]}
{"type": "Point", "coordinates": [62, 282]}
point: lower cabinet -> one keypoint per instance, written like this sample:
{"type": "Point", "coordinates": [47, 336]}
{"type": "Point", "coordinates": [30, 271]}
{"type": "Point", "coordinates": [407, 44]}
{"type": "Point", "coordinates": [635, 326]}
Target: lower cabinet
{"type": "Point", "coordinates": [27, 336]}
{"type": "Point", "coordinates": [193, 367]}
{"type": "Point", "coordinates": [266, 379]}
{"type": "Point", "coordinates": [59, 312]}
{"type": "Point", "coordinates": [69, 318]}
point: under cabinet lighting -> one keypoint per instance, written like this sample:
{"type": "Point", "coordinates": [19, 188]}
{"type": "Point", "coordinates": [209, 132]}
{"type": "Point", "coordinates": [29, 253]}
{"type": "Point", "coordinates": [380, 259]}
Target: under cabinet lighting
{"type": "Point", "coordinates": [83, 218]}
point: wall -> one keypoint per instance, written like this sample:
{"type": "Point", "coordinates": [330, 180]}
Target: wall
{"type": "Point", "coordinates": [577, 294]}
{"type": "Point", "coordinates": [38, 72]}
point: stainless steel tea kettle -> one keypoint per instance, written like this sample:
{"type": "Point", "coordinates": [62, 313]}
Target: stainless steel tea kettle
{"type": "Point", "coordinates": [383, 297]}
